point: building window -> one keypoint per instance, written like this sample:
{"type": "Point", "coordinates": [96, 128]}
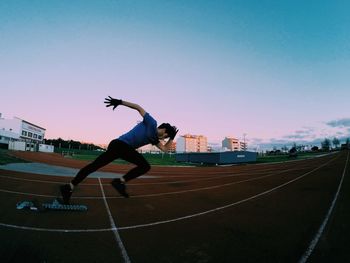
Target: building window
{"type": "Point", "coordinates": [35, 136]}
{"type": "Point", "coordinates": [39, 137]}
{"type": "Point", "coordinates": [30, 134]}
{"type": "Point", "coordinates": [24, 133]}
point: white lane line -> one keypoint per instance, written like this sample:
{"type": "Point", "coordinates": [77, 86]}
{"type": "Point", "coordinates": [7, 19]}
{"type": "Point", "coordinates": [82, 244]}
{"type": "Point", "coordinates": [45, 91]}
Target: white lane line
{"type": "Point", "coordinates": [217, 176]}
{"type": "Point", "coordinates": [134, 184]}
{"type": "Point", "coordinates": [210, 187]}
{"type": "Point", "coordinates": [114, 227]}
{"type": "Point", "coordinates": [223, 207]}
{"type": "Point", "coordinates": [159, 194]}
{"type": "Point", "coordinates": [40, 181]}
{"type": "Point", "coordinates": [24, 193]}
{"type": "Point", "coordinates": [167, 221]}
{"type": "Point", "coordinates": [315, 240]}
{"type": "Point", "coordinates": [40, 229]}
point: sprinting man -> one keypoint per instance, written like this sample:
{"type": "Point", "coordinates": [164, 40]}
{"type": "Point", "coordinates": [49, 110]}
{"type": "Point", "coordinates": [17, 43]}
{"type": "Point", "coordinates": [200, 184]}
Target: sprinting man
{"type": "Point", "coordinates": [124, 147]}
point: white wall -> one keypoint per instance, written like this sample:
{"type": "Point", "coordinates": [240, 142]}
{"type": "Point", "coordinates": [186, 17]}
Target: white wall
{"type": "Point", "coordinates": [46, 148]}
{"type": "Point", "coordinates": [180, 144]}
{"type": "Point", "coordinates": [6, 136]}
{"type": "Point", "coordinates": [17, 146]}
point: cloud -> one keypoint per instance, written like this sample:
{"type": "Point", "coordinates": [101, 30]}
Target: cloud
{"type": "Point", "coordinates": [301, 132]}
{"type": "Point", "coordinates": [306, 135]}
{"type": "Point", "coordinates": [306, 130]}
{"type": "Point", "coordinates": [256, 140]}
{"type": "Point", "coordinates": [296, 136]}
{"type": "Point", "coordinates": [345, 122]}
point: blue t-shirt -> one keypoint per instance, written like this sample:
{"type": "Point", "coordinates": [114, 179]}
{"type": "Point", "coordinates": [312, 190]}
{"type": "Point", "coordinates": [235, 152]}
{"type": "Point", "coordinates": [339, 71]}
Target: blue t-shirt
{"type": "Point", "coordinates": [143, 133]}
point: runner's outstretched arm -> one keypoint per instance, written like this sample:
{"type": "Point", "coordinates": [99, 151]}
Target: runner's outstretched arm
{"type": "Point", "coordinates": [134, 106]}
{"type": "Point", "coordinates": [115, 102]}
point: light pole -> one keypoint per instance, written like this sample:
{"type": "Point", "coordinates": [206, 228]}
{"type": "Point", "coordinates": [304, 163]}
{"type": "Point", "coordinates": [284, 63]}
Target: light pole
{"type": "Point", "coordinates": [245, 146]}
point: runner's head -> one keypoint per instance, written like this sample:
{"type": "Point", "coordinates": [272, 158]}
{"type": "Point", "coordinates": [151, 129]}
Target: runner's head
{"type": "Point", "coordinates": [165, 130]}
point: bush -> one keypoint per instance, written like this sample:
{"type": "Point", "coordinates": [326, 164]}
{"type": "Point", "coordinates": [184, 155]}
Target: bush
{"type": "Point", "coordinates": [293, 152]}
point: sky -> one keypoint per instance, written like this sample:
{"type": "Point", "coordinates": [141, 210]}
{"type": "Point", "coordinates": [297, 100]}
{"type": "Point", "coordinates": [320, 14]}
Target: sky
{"type": "Point", "coordinates": [277, 71]}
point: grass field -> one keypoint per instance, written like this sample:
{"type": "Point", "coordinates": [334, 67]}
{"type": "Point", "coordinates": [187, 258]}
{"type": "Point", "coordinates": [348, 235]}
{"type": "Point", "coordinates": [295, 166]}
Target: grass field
{"type": "Point", "coordinates": [285, 157]}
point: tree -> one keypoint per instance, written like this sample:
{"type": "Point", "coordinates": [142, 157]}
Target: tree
{"type": "Point", "coordinates": [326, 144]}
{"type": "Point", "coordinates": [335, 142]}
{"type": "Point", "coordinates": [300, 148]}
{"type": "Point", "coordinates": [314, 149]}
{"type": "Point", "coordinates": [284, 148]}
{"type": "Point", "coordinates": [293, 152]}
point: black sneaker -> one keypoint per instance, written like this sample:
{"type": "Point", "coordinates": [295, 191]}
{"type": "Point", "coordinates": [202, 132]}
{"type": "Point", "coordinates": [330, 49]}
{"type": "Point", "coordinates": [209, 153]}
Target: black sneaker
{"type": "Point", "coordinates": [120, 187]}
{"type": "Point", "coordinates": [66, 192]}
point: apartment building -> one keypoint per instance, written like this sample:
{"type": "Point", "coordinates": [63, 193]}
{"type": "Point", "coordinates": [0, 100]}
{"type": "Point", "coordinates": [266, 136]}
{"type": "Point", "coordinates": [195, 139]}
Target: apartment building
{"type": "Point", "coordinates": [233, 144]}
{"type": "Point", "coordinates": [192, 143]}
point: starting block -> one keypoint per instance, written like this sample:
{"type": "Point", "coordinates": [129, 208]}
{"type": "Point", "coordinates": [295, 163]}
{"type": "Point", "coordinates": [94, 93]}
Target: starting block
{"type": "Point", "coordinates": [55, 205]}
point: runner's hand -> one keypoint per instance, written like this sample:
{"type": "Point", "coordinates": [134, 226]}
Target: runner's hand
{"type": "Point", "coordinates": [112, 102]}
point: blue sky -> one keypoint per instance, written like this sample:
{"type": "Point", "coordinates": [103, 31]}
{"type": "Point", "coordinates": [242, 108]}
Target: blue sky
{"type": "Point", "coordinates": [275, 70]}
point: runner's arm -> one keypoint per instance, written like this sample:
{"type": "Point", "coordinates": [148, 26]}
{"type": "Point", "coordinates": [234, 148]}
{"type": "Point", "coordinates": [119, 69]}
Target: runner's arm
{"type": "Point", "coordinates": [134, 106]}
{"type": "Point", "coordinates": [165, 147]}
{"type": "Point", "coordinates": [116, 102]}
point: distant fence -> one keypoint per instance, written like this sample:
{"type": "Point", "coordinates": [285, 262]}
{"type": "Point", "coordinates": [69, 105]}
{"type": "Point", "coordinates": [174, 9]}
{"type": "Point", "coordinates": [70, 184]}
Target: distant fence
{"type": "Point", "coordinates": [67, 153]}
{"type": "Point", "coordinates": [217, 157]}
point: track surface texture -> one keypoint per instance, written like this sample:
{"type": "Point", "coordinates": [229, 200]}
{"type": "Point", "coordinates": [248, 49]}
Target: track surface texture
{"type": "Point", "coordinates": [244, 213]}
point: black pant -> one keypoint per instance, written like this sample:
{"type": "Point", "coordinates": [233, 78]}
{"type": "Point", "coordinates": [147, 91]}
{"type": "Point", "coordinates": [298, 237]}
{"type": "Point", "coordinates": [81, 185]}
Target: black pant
{"type": "Point", "coordinates": [116, 149]}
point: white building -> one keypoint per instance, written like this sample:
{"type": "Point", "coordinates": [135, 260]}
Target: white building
{"type": "Point", "coordinates": [192, 143]}
{"type": "Point", "coordinates": [6, 135]}
{"type": "Point", "coordinates": [18, 130]}
{"type": "Point", "coordinates": [149, 148]}
{"type": "Point", "coordinates": [233, 144]}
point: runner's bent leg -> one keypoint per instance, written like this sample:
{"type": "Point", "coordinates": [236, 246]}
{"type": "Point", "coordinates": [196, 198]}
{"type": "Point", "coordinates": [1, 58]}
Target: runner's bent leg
{"type": "Point", "coordinates": [132, 156]}
{"type": "Point", "coordinates": [105, 158]}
